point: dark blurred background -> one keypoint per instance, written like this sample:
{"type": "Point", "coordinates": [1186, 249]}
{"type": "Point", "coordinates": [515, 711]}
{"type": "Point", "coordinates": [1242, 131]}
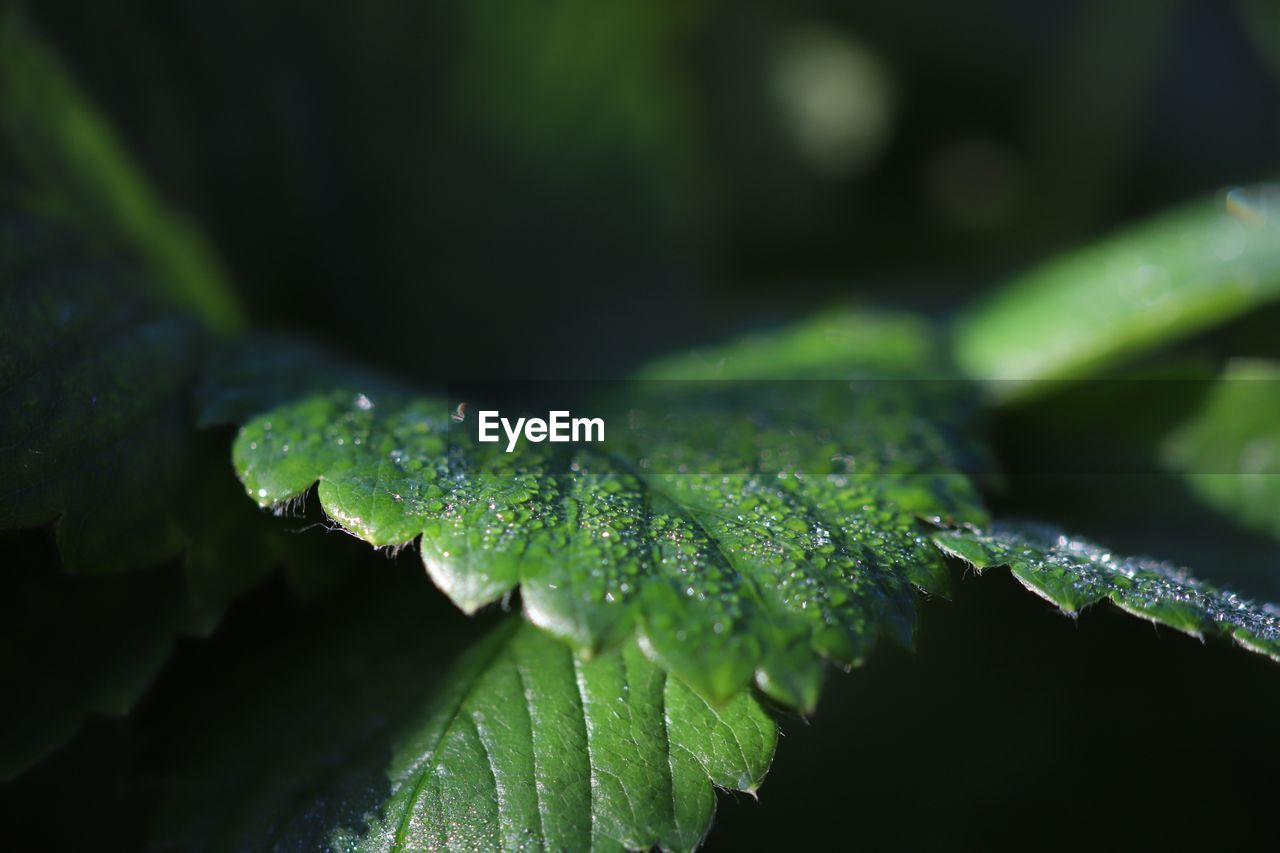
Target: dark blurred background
{"type": "Point", "coordinates": [552, 189]}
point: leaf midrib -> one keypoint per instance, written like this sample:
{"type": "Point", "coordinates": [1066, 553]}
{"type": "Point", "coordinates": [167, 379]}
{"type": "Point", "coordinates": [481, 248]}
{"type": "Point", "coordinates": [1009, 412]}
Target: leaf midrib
{"type": "Point", "coordinates": [478, 673]}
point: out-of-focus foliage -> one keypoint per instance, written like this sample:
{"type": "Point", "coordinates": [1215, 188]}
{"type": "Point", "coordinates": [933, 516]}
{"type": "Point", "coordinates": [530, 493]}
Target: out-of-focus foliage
{"type": "Point", "coordinates": [97, 362]}
{"type": "Point", "coordinates": [1180, 273]}
{"type": "Point", "coordinates": [94, 415]}
{"type": "Point", "coordinates": [99, 358]}
{"type": "Point", "coordinates": [830, 346]}
{"type": "Point", "coordinates": [97, 437]}
{"type": "Point", "coordinates": [370, 162]}
{"type": "Point", "coordinates": [1228, 451]}
{"type": "Point", "coordinates": [76, 170]}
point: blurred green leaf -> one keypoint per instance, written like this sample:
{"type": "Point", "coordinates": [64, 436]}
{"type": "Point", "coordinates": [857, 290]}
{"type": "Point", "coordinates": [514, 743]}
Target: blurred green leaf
{"type": "Point", "coordinates": [831, 345]}
{"type": "Point", "coordinates": [75, 169]}
{"type": "Point", "coordinates": [1228, 451]}
{"type": "Point", "coordinates": [94, 418]}
{"type": "Point", "coordinates": [97, 437]}
{"type": "Point", "coordinates": [754, 529]}
{"type": "Point", "coordinates": [96, 422]}
{"type": "Point", "coordinates": [1176, 274]}
{"type": "Point", "coordinates": [1073, 573]}
{"type": "Point", "coordinates": [352, 741]}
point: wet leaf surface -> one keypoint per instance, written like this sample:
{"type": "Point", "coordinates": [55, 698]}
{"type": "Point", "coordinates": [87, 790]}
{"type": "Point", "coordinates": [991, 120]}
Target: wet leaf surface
{"type": "Point", "coordinates": [1073, 574]}
{"type": "Point", "coordinates": [754, 529]}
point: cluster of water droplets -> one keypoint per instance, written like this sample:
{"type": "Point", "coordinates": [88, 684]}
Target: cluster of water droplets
{"type": "Point", "coordinates": [792, 515]}
{"type": "Point", "coordinates": [1153, 588]}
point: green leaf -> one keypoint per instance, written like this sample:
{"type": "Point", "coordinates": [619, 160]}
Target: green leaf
{"type": "Point", "coordinates": [99, 358]}
{"type": "Point", "coordinates": [94, 417]}
{"type": "Point", "coordinates": [831, 345]}
{"type": "Point", "coordinates": [96, 422]}
{"type": "Point", "coordinates": [1178, 273]}
{"type": "Point", "coordinates": [1228, 451]}
{"type": "Point", "coordinates": [1073, 574]}
{"type": "Point", "coordinates": [97, 436]}
{"type": "Point", "coordinates": [76, 170]}
{"type": "Point", "coordinates": [349, 741]}
{"type": "Point", "coordinates": [755, 529]}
